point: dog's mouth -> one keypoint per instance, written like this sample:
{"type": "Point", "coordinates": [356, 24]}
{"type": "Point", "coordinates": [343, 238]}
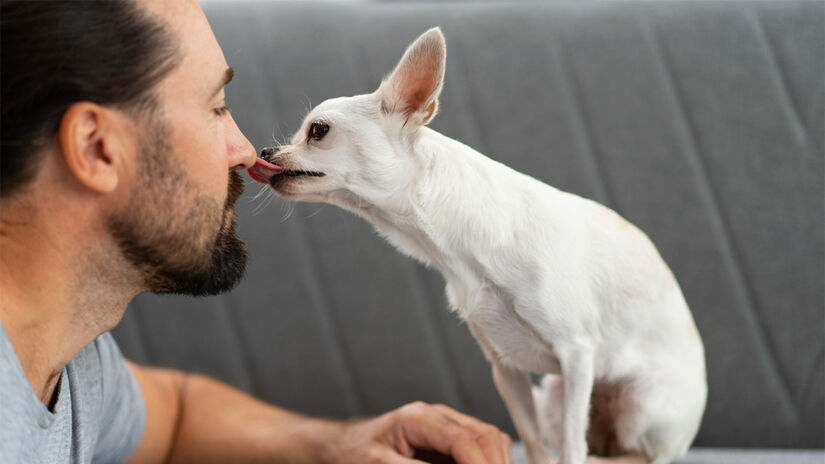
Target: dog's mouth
{"type": "Point", "coordinates": [268, 173]}
{"type": "Point", "coordinates": [290, 173]}
{"type": "Point", "coordinates": [262, 171]}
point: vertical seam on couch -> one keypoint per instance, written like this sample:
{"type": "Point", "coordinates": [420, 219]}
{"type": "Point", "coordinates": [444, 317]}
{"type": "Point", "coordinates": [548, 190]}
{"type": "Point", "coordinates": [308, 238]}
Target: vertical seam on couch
{"type": "Point", "coordinates": [139, 329]}
{"type": "Point", "coordinates": [779, 79]}
{"type": "Point", "coordinates": [235, 335]}
{"type": "Point", "coordinates": [690, 148]}
{"type": "Point", "coordinates": [818, 100]}
{"type": "Point", "coordinates": [571, 91]}
{"type": "Point", "coordinates": [362, 69]}
{"type": "Point", "coordinates": [482, 142]}
{"type": "Point", "coordinates": [808, 384]}
{"type": "Point", "coordinates": [816, 104]}
{"type": "Point", "coordinates": [329, 324]}
{"type": "Point", "coordinates": [442, 358]}
{"type": "Point", "coordinates": [335, 348]}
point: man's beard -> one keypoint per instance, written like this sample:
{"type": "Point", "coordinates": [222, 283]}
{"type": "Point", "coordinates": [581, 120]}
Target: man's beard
{"type": "Point", "coordinates": [175, 236]}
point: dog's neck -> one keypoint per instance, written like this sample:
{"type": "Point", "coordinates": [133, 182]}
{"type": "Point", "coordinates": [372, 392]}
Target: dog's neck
{"type": "Point", "coordinates": [455, 210]}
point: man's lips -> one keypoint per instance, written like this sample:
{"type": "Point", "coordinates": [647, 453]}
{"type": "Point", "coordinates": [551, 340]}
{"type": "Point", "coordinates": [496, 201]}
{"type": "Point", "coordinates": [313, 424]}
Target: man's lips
{"type": "Point", "coordinates": [262, 171]}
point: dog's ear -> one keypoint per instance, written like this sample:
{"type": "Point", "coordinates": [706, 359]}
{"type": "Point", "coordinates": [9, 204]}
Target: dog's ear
{"type": "Point", "coordinates": [413, 88]}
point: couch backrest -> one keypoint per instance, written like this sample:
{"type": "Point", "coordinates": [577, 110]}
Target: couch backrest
{"type": "Point", "coordinates": [700, 121]}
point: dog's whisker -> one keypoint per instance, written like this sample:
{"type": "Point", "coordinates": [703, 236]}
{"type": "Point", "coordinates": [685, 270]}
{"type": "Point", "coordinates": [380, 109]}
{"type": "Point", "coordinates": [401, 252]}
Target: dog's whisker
{"type": "Point", "coordinates": [265, 196]}
{"type": "Point", "coordinates": [262, 205]}
{"type": "Point", "coordinates": [307, 105]}
{"type": "Point", "coordinates": [277, 141]}
{"type": "Point", "coordinates": [272, 135]}
{"type": "Point", "coordinates": [321, 208]}
{"type": "Point", "coordinates": [290, 208]}
{"type": "Point", "coordinates": [269, 200]}
{"type": "Point", "coordinates": [264, 189]}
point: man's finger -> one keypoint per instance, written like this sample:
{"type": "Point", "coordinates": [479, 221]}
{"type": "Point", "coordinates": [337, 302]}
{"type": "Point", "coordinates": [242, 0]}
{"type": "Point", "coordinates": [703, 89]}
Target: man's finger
{"type": "Point", "coordinates": [495, 444]}
{"type": "Point", "coordinates": [451, 440]}
{"type": "Point", "coordinates": [490, 445]}
{"type": "Point", "coordinates": [425, 427]}
{"type": "Point", "coordinates": [507, 446]}
{"type": "Point", "coordinates": [506, 451]}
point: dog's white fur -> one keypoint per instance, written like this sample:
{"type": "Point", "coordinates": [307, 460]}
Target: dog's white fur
{"type": "Point", "coordinates": [547, 281]}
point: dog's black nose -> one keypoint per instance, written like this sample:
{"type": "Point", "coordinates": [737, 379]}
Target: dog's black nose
{"type": "Point", "coordinates": [268, 152]}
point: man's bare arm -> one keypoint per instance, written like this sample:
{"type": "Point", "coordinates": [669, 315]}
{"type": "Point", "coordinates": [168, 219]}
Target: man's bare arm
{"type": "Point", "coordinates": [192, 418]}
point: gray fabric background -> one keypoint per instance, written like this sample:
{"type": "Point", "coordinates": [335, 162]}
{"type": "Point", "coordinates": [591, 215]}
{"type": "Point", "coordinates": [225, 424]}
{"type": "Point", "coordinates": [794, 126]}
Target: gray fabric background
{"type": "Point", "coordinates": [699, 121]}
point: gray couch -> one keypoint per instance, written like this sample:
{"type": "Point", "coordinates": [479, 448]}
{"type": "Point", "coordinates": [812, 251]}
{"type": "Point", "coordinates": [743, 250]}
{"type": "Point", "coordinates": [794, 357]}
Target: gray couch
{"type": "Point", "coordinates": [700, 121]}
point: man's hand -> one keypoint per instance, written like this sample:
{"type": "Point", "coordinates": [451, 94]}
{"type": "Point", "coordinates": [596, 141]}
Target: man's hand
{"type": "Point", "coordinates": [393, 438]}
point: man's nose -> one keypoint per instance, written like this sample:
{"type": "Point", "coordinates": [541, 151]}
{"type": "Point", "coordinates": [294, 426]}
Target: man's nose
{"type": "Point", "coordinates": [268, 152]}
{"type": "Point", "coordinates": [241, 152]}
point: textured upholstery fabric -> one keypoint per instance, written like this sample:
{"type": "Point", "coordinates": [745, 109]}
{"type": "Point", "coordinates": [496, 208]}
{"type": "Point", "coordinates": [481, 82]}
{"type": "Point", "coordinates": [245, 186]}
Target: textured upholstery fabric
{"type": "Point", "coordinates": [699, 121]}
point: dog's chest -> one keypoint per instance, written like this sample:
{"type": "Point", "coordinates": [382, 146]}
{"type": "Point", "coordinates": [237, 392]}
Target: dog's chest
{"type": "Point", "coordinates": [505, 335]}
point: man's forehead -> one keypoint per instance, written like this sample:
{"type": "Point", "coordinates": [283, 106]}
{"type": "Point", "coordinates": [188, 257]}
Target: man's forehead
{"type": "Point", "coordinates": [201, 59]}
{"type": "Point", "coordinates": [169, 8]}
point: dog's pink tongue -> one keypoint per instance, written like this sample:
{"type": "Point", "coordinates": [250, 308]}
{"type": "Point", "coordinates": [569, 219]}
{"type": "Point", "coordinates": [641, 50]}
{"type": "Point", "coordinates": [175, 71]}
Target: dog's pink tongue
{"type": "Point", "coordinates": [262, 171]}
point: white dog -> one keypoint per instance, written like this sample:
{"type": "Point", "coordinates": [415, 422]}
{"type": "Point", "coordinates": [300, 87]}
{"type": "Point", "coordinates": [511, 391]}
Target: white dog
{"type": "Point", "coordinates": [547, 281]}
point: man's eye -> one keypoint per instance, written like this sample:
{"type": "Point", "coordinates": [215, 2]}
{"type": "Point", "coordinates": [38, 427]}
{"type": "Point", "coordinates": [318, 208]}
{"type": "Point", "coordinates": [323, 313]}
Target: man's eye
{"type": "Point", "coordinates": [222, 110]}
{"type": "Point", "coordinates": [318, 130]}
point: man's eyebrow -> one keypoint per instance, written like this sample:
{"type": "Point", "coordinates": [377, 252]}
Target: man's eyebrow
{"type": "Point", "coordinates": [227, 76]}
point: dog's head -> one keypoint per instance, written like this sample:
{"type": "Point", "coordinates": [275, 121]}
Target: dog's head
{"type": "Point", "coordinates": [362, 150]}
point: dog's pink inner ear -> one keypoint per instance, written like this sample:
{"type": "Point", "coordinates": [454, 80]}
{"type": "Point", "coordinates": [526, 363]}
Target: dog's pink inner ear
{"type": "Point", "coordinates": [414, 86]}
{"type": "Point", "coordinates": [418, 83]}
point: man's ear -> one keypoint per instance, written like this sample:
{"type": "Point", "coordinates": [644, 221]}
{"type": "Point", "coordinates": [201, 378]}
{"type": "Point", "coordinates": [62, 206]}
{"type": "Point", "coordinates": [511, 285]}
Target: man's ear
{"type": "Point", "coordinates": [92, 145]}
{"type": "Point", "coordinates": [413, 88]}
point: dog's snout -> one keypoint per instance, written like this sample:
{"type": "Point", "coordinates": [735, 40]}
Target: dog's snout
{"type": "Point", "coordinates": [268, 152]}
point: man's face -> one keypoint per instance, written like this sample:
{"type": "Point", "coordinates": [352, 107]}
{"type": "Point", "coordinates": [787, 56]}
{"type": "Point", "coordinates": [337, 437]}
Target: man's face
{"type": "Point", "coordinates": [178, 227]}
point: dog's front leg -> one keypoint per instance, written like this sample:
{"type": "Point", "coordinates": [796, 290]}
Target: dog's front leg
{"type": "Point", "coordinates": [515, 388]}
{"type": "Point", "coordinates": [577, 377]}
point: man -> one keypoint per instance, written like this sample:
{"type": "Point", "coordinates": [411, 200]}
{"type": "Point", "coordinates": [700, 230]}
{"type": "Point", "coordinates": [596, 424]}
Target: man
{"type": "Point", "coordinates": [116, 145]}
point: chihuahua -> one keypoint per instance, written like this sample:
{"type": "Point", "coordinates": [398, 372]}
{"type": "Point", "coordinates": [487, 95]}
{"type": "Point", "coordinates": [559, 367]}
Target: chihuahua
{"type": "Point", "coordinates": [547, 281]}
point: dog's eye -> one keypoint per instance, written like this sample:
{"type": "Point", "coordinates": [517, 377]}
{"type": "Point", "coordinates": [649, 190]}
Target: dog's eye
{"type": "Point", "coordinates": [318, 130]}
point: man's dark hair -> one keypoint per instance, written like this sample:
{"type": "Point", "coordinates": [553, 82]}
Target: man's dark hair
{"type": "Point", "coordinates": [57, 53]}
